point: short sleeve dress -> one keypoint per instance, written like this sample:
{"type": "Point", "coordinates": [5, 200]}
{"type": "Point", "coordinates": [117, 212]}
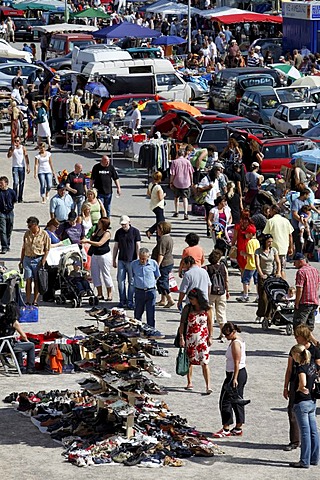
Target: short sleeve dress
{"type": "Point", "coordinates": [197, 338]}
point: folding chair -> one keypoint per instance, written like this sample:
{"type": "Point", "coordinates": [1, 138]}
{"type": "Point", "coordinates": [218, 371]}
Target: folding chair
{"type": "Point", "coordinates": [5, 343]}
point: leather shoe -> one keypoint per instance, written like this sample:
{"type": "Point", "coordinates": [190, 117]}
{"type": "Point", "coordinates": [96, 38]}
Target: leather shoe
{"type": "Point", "coordinates": [291, 446]}
{"type": "Point", "coordinates": [298, 465]}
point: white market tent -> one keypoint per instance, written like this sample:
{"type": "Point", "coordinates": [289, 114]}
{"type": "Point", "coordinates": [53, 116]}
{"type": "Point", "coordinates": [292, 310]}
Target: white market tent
{"type": "Point", "coordinates": [7, 51]}
{"type": "Point", "coordinates": [65, 27]}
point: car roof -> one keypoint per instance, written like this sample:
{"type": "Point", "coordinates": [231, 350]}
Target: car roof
{"type": "Point", "coordinates": [212, 126]}
{"type": "Point", "coordinates": [18, 64]}
{"type": "Point", "coordinates": [281, 141]}
{"type": "Point", "coordinates": [299, 104]}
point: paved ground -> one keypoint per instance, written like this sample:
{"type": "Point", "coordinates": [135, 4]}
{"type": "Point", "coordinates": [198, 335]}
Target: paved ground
{"type": "Point", "coordinates": [29, 455]}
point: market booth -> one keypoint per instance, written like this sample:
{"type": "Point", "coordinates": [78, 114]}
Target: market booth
{"type": "Point", "coordinates": [301, 25]}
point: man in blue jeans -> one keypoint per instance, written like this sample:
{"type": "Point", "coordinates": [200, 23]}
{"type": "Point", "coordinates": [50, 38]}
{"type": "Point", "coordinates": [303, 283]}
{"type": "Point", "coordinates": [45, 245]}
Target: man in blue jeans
{"type": "Point", "coordinates": [145, 273]}
{"type": "Point", "coordinates": [102, 175]}
{"type": "Point", "coordinates": [8, 198]}
{"type": "Point", "coordinates": [126, 249]}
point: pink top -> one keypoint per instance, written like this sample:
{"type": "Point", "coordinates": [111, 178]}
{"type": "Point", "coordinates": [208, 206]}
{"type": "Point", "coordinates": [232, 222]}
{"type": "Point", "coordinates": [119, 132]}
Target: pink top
{"type": "Point", "coordinates": [182, 171]}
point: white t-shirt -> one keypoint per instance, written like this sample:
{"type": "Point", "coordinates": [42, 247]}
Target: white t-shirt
{"type": "Point", "coordinates": [154, 199]}
{"type": "Point", "coordinates": [212, 194]}
{"type": "Point", "coordinates": [44, 165]}
{"type": "Point", "coordinates": [136, 116]}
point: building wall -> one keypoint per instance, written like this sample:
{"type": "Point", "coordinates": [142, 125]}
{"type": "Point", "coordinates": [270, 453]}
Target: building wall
{"type": "Point", "coordinates": [297, 33]}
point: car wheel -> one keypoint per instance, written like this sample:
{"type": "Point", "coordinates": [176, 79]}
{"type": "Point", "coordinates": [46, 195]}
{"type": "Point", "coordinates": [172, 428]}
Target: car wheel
{"type": "Point", "coordinates": [289, 328]}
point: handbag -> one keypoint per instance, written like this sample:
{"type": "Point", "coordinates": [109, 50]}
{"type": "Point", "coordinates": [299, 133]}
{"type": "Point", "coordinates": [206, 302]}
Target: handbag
{"type": "Point", "coordinates": [43, 279]}
{"type": "Point", "coordinates": [182, 363]}
{"type": "Point", "coordinates": [200, 197]}
{"type": "Point", "coordinates": [173, 286]}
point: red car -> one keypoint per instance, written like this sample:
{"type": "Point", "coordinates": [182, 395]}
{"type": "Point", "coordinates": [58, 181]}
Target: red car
{"type": "Point", "coordinates": [125, 101]}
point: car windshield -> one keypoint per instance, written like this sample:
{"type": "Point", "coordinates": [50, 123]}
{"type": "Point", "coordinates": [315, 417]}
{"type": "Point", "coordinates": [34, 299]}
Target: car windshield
{"type": "Point", "coordinates": [313, 132]}
{"type": "Point", "coordinates": [300, 113]}
{"type": "Point", "coordinates": [269, 101]}
{"type": "Point", "coordinates": [290, 97]}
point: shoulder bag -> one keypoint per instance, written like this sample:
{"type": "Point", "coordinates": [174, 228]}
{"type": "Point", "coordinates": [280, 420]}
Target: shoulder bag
{"type": "Point", "coordinates": [182, 363]}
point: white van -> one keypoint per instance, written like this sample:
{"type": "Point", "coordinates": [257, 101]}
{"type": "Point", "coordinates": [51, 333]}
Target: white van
{"type": "Point", "coordinates": [141, 76]}
{"type": "Point", "coordinates": [96, 53]}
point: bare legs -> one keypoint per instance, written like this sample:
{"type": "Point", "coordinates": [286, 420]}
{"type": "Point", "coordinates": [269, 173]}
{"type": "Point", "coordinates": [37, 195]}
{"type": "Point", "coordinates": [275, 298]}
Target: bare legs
{"type": "Point", "coordinates": [206, 376]}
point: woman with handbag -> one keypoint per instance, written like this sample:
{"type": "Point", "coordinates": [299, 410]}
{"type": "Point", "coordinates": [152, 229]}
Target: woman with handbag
{"type": "Point", "coordinates": [236, 379]}
{"type": "Point", "coordinates": [162, 254]}
{"type": "Point", "coordinates": [196, 320]}
{"type": "Point", "coordinates": [305, 407]}
{"type": "Point", "coordinates": [157, 195]}
{"type": "Point", "coordinates": [101, 260]}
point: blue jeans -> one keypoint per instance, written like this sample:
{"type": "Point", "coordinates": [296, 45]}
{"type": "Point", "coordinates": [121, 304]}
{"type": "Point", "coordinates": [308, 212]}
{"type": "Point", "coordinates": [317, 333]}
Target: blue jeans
{"type": "Point", "coordinates": [145, 300]}
{"type": "Point", "coordinates": [77, 203]}
{"type": "Point", "coordinates": [19, 175]}
{"type": "Point", "coordinates": [28, 347]}
{"type": "Point", "coordinates": [163, 280]}
{"type": "Point", "coordinates": [106, 201]}
{"type": "Point", "coordinates": [305, 413]}
{"type": "Point", "coordinates": [6, 226]}
{"type": "Point", "coordinates": [45, 180]}
{"type": "Point", "coordinates": [124, 270]}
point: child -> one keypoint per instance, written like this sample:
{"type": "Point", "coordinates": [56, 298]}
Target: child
{"type": "Point", "coordinates": [77, 278]}
{"type": "Point", "coordinates": [250, 268]}
{"type": "Point", "coordinates": [288, 299]}
{"type": "Point", "coordinates": [305, 215]}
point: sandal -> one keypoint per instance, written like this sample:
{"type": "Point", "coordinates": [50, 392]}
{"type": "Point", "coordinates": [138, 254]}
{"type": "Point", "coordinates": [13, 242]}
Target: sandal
{"type": "Point", "coordinates": [189, 387]}
{"type": "Point", "coordinates": [109, 299]}
{"type": "Point", "coordinates": [35, 304]}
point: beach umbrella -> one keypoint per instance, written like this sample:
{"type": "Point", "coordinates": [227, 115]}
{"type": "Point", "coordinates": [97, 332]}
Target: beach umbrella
{"type": "Point", "coordinates": [288, 70]}
{"type": "Point", "coordinates": [91, 13]}
{"type": "Point", "coordinates": [309, 81]}
{"type": "Point", "coordinates": [181, 106]}
{"type": "Point", "coordinates": [97, 88]}
{"type": "Point", "coordinates": [168, 40]}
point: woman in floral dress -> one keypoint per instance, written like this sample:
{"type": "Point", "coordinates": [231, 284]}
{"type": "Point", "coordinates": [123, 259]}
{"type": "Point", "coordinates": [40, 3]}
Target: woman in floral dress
{"type": "Point", "coordinates": [198, 315]}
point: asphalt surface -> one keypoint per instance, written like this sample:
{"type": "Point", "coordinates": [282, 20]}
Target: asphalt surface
{"type": "Point", "coordinates": [29, 455]}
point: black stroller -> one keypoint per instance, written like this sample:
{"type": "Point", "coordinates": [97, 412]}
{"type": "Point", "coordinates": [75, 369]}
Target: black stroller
{"type": "Point", "coordinates": [281, 309]}
{"type": "Point", "coordinates": [68, 290]}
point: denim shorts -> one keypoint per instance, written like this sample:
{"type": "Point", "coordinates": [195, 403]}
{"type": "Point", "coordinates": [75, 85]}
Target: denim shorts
{"type": "Point", "coordinates": [247, 275]}
{"type": "Point", "coordinates": [30, 266]}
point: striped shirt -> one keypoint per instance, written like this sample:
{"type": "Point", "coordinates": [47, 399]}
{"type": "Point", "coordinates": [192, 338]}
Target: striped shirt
{"type": "Point", "coordinates": [308, 278]}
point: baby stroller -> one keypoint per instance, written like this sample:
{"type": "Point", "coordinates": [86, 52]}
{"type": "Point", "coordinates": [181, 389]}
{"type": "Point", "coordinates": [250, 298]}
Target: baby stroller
{"type": "Point", "coordinates": [281, 309]}
{"type": "Point", "coordinates": [220, 241]}
{"type": "Point", "coordinates": [68, 290]}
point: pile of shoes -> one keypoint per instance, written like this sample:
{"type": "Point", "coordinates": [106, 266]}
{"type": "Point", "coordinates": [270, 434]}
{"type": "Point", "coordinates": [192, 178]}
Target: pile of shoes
{"type": "Point", "coordinates": [92, 436]}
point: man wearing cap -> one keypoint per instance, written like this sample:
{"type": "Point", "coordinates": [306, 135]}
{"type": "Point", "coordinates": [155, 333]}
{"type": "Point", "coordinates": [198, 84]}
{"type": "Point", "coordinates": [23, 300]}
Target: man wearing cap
{"type": "Point", "coordinates": [145, 273]}
{"type": "Point", "coordinates": [136, 117]}
{"type": "Point", "coordinates": [71, 230]}
{"type": "Point", "coordinates": [34, 252]}
{"type": "Point", "coordinates": [61, 204]}
{"type": "Point", "coordinates": [307, 292]}
{"type": "Point", "coordinates": [281, 230]}
{"type": "Point", "coordinates": [102, 175]}
{"type": "Point", "coordinates": [76, 185]}
{"type": "Point", "coordinates": [126, 249]}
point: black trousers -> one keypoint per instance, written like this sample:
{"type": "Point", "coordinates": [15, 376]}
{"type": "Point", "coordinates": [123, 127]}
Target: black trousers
{"type": "Point", "coordinates": [226, 407]}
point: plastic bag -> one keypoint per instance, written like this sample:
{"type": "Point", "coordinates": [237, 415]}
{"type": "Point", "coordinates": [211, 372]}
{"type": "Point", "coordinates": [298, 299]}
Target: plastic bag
{"type": "Point", "coordinates": [182, 362]}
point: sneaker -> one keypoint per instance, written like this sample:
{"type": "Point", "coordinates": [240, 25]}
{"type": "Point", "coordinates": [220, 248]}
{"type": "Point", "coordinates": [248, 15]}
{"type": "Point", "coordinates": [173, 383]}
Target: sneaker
{"type": "Point", "coordinates": [121, 305]}
{"type": "Point", "coordinates": [222, 433]}
{"type": "Point", "coordinates": [185, 217]}
{"type": "Point", "coordinates": [236, 432]}
{"type": "Point", "coordinates": [242, 299]}
{"type": "Point", "coordinates": [176, 214]}
{"type": "Point", "coordinates": [130, 306]}
{"type": "Point", "coordinates": [258, 320]}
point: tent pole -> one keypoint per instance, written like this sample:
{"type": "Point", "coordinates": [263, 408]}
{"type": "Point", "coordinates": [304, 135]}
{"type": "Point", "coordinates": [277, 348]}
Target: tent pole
{"type": "Point", "coordinates": [189, 26]}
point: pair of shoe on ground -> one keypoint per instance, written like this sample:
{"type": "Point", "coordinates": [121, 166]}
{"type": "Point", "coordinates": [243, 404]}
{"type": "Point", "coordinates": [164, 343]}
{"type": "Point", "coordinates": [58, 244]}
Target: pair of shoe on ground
{"type": "Point", "coordinates": [234, 432]}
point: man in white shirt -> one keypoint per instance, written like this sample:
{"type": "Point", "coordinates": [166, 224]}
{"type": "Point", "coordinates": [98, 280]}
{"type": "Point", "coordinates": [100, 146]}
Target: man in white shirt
{"type": "Point", "coordinates": [136, 117]}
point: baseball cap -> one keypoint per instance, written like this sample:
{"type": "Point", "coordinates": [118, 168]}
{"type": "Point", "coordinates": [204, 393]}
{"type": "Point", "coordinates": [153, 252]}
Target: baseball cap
{"type": "Point", "coordinates": [124, 219]}
{"type": "Point", "coordinates": [299, 256]}
{"type": "Point", "coordinates": [218, 165]}
{"type": "Point", "coordinates": [251, 229]}
{"type": "Point", "coordinates": [61, 186]}
{"type": "Point", "coordinates": [72, 216]}
{"type": "Point", "coordinates": [255, 164]}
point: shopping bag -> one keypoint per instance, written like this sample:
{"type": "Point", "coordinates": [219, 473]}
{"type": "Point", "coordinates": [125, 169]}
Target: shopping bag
{"type": "Point", "coordinates": [43, 279]}
{"type": "Point", "coordinates": [29, 314]}
{"type": "Point", "coordinates": [182, 363]}
{"type": "Point", "coordinates": [173, 286]}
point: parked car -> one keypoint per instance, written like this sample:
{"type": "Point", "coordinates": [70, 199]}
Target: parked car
{"type": "Point", "coordinates": [229, 85]}
{"type": "Point", "coordinates": [274, 45]}
{"type": "Point", "coordinates": [258, 104]}
{"type": "Point", "coordinates": [126, 100]}
{"type": "Point", "coordinates": [292, 118]}
{"type": "Point", "coordinates": [60, 63]}
{"type": "Point", "coordinates": [315, 118]}
{"type": "Point", "coordinates": [151, 112]}
{"type": "Point", "coordinates": [9, 70]}
{"type": "Point", "coordinates": [23, 28]}
{"type": "Point", "coordinates": [63, 43]}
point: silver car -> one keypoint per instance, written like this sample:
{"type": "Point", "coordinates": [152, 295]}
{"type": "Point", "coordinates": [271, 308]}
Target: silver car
{"type": "Point", "coordinates": [9, 70]}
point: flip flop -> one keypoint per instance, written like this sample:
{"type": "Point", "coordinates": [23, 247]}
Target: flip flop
{"type": "Point", "coordinates": [189, 388]}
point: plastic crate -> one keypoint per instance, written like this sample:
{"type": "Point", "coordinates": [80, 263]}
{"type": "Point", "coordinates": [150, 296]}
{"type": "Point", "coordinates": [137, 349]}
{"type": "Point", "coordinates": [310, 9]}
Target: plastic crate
{"type": "Point", "coordinates": [29, 314]}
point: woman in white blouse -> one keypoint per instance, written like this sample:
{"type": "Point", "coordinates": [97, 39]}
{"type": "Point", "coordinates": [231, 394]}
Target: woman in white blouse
{"type": "Point", "coordinates": [156, 195]}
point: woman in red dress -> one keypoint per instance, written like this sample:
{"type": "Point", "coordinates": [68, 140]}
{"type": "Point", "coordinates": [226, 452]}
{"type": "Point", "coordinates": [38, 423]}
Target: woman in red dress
{"type": "Point", "coordinates": [239, 237]}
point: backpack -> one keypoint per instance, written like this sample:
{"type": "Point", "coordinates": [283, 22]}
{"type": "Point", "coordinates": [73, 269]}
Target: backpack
{"type": "Point", "coordinates": [216, 274]}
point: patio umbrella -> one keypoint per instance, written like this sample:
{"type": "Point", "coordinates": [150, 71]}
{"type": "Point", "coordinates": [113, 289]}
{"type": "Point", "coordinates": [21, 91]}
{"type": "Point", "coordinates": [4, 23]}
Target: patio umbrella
{"type": "Point", "coordinates": [181, 106]}
{"type": "Point", "coordinates": [168, 40]}
{"type": "Point", "coordinates": [126, 29]}
{"type": "Point", "coordinates": [97, 88]}
{"type": "Point", "coordinates": [309, 81]}
{"type": "Point", "coordinates": [288, 70]}
{"type": "Point", "coordinates": [91, 13]}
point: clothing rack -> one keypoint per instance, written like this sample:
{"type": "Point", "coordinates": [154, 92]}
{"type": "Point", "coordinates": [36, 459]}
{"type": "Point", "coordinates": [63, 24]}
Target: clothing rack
{"type": "Point", "coordinates": [154, 155]}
